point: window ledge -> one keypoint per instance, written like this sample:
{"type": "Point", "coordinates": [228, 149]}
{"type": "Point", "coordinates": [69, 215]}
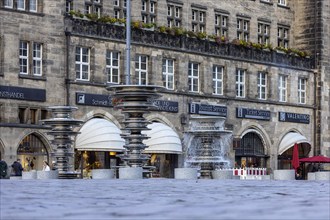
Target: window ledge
{"type": "Point", "coordinates": [283, 6]}
{"type": "Point", "coordinates": [42, 78]}
{"type": "Point", "coordinates": [265, 2]}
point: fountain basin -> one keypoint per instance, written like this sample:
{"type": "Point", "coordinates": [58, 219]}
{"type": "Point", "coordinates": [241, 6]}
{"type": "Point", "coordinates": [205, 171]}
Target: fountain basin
{"type": "Point", "coordinates": [222, 174]}
{"type": "Point", "coordinates": [130, 173]}
{"type": "Point", "coordinates": [186, 173]}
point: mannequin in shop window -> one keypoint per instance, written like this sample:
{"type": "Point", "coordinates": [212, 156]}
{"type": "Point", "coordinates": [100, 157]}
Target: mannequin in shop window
{"type": "Point", "coordinates": [45, 166]}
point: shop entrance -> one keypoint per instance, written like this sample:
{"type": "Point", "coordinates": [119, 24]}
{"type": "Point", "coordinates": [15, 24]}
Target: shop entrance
{"type": "Point", "coordinates": [86, 161]}
{"type": "Point", "coordinates": [32, 152]}
{"type": "Point", "coordinates": [250, 152]}
{"type": "Point", "coordinates": [164, 165]}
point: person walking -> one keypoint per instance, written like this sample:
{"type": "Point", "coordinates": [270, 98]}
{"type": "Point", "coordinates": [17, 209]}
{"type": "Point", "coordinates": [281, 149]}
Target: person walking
{"type": "Point", "coordinates": [17, 166]}
{"type": "Point", "coordinates": [45, 166]}
{"type": "Point", "coordinates": [3, 169]}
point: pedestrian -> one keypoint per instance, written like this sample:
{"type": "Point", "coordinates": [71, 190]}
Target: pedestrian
{"type": "Point", "coordinates": [3, 169]}
{"type": "Point", "coordinates": [17, 167]}
{"type": "Point", "coordinates": [45, 166]}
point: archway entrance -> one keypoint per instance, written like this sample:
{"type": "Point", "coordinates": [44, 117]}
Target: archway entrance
{"type": "Point", "coordinates": [250, 152]}
{"type": "Point", "coordinates": [32, 152]}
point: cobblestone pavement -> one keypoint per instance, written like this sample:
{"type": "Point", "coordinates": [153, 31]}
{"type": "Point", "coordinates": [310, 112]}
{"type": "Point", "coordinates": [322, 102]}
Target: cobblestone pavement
{"type": "Point", "coordinates": [164, 199]}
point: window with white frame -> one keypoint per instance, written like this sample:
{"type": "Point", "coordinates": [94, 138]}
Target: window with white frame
{"type": "Point", "coordinates": [82, 63]}
{"type": "Point", "coordinates": [198, 20]}
{"type": "Point", "coordinates": [217, 80]}
{"type": "Point", "coordinates": [240, 83]}
{"type": "Point", "coordinates": [282, 2]}
{"type": "Point", "coordinates": [262, 85]}
{"type": "Point", "coordinates": [302, 90]}
{"type": "Point", "coordinates": [93, 7]}
{"type": "Point", "coordinates": [120, 8]}
{"type": "Point", "coordinates": [243, 29]}
{"type": "Point", "coordinates": [173, 15]}
{"type": "Point", "coordinates": [148, 11]}
{"type": "Point", "coordinates": [23, 57]}
{"type": "Point", "coordinates": [263, 33]}
{"type": "Point", "coordinates": [112, 66]}
{"type": "Point", "coordinates": [21, 4]}
{"type": "Point", "coordinates": [193, 77]}
{"type": "Point", "coordinates": [282, 88]}
{"type": "Point", "coordinates": [221, 25]}
{"type": "Point", "coordinates": [283, 36]}
{"type": "Point", "coordinates": [168, 73]}
{"type": "Point", "coordinates": [33, 5]}
{"type": "Point", "coordinates": [141, 69]}
{"type": "Point", "coordinates": [8, 3]}
{"type": "Point", "coordinates": [30, 60]}
{"type": "Point", "coordinates": [37, 59]}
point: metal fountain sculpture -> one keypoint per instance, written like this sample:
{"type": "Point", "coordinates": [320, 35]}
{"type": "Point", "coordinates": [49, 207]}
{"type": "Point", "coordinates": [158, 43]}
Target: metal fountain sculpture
{"type": "Point", "coordinates": [62, 125]}
{"type": "Point", "coordinates": [134, 101]}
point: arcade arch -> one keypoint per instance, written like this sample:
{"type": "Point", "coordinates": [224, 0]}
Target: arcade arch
{"type": "Point", "coordinates": [32, 151]}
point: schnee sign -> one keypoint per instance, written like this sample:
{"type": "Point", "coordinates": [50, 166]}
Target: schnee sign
{"type": "Point", "coordinates": [21, 93]}
{"type": "Point", "coordinates": [203, 109]}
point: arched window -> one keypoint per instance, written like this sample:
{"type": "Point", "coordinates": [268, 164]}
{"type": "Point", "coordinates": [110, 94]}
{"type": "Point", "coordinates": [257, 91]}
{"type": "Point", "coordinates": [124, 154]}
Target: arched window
{"type": "Point", "coordinates": [32, 151]}
{"type": "Point", "coordinates": [251, 145]}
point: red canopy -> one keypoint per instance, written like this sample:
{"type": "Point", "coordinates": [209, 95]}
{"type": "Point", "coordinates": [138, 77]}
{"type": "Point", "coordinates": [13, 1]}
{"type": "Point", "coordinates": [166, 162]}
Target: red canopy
{"type": "Point", "coordinates": [316, 159]}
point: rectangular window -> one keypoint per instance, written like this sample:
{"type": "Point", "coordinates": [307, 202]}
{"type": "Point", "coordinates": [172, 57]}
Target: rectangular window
{"type": "Point", "coordinates": [262, 86]}
{"type": "Point", "coordinates": [193, 77]}
{"type": "Point", "coordinates": [24, 58]}
{"type": "Point", "coordinates": [177, 12]}
{"type": "Point", "coordinates": [240, 83]}
{"type": "Point", "coordinates": [221, 24]}
{"type": "Point", "coordinates": [302, 91]}
{"type": "Point", "coordinates": [82, 63]}
{"type": "Point", "coordinates": [144, 6]}
{"type": "Point", "coordinates": [281, 2]}
{"type": "Point", "coordinates": [217, 80]}
{"type": "Point", "coordinates": [168, 73]}
{"type": "Point", "coordinates": [21, 115]}
{"type": "Point", "coordinates": [152, 7]}
{"type": "Point", "coordinates": [116, 2]}
{"type": "Point", "coordinates": [283, 37]}
{"type": "Point", "coordinates": [169, 10]}
{"type": "Point", "coordinates": [8, 4]}
{"type": "Point", "coordinates": [33, 5]}
{"type": "Point", "coordinates": [282, 87]}
{"type": "Point", "coordinates": [37, 59]}
{"type": "Point", "coordinates": [68, 6]}
{"type": "Point", "coordinates": [21, 4]}
{"type": "Point", "coordinates": [198, 20]}
{"type": "Point", "coordinates": [112, 67]}
{"type": "Point", "coordinates": [243, 29]}
{"type": "Point", "coordinates": [141, 69]}
{"type": "Point", "coordinates": [263, 36]}
{"type": "Point", "coordinates": [33, 116]}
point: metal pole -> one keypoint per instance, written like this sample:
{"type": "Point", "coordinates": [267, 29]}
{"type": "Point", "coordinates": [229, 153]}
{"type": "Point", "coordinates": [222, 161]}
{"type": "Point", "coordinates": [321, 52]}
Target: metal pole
{"type": "Point", "coordinates": [128, 42]}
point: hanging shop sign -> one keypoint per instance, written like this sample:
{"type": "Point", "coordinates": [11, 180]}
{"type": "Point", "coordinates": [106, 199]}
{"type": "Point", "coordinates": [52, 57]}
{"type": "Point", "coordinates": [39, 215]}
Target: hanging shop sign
{"type": "Point", "coordinates": [166, 106]}
{"type": "Point", "coordinates": [203, 109]}
{"type": "Point", "coordinates": [293, 117]}
{"type": "Point", "coordinates": [21, 93]}
{"type": "Point", "coordinates": [253, 114]}
{"type": "Point", "coordinates": [93, 99]}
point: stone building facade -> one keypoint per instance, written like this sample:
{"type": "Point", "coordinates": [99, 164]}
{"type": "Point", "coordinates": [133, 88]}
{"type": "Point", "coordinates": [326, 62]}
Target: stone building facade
{"type": "Point", "coordinates": [49, 56]}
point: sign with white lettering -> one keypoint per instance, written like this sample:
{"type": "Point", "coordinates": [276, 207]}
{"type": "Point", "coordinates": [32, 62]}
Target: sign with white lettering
{"type": "Point", "coordinates": [203, 109]}
{"type": "Point", "coordinates": [21, 93]}
{"type": "Point", "coordinates": [166, 106]}
{"type": "Point", "coordinates": [293, 117]}
{"type": "Point", "coordinates": [93, 99]}
{"type": "Point", "coordinates": [253, 114]}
